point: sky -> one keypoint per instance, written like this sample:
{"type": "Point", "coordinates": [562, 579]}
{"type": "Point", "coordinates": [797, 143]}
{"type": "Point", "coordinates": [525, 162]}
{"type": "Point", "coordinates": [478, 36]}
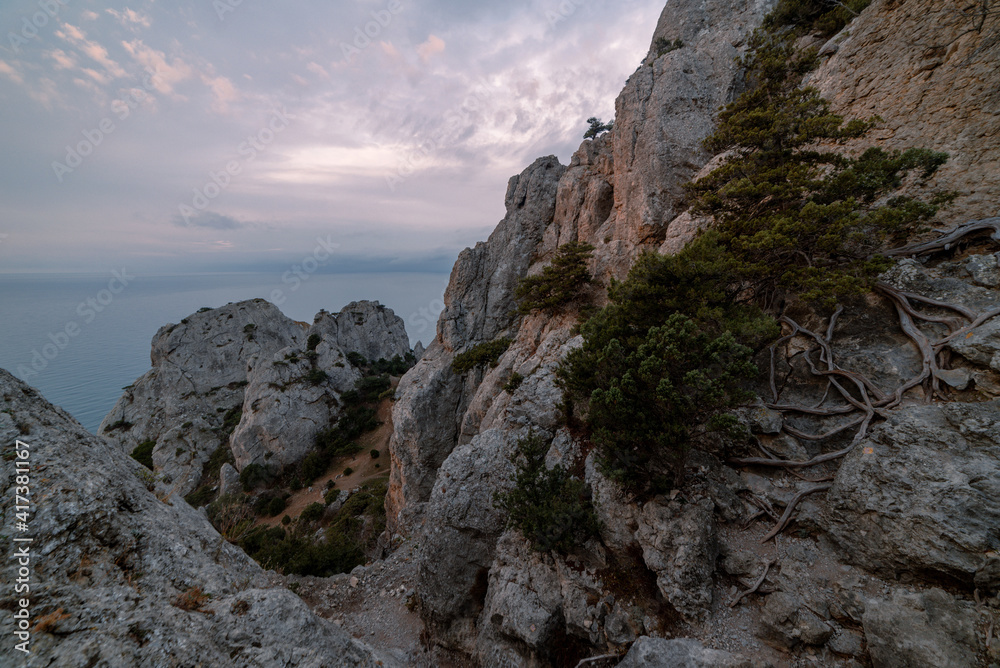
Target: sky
{"type": "Point", "coordinates": [244, 135]}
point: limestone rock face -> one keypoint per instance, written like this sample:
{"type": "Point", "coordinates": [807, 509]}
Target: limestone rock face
{"type": "Point", "coordinates": [678, 653]}
{"type": "Point", "coordinates": [286, 405]}
{"type": "Point", "coordinates": [199, 367]}
{"type": "Point", "coordinates": [479, 303]}
{"type": "Point", "coordinates": [617, 194]}
{"type": "Point", "coordinates": [534, 601]}
{"type": "Point", "coordinates": [461, 530]}
{"type": "Point", "coordinates": [110, 560]}
{"type": "Point", "coordinates": [928, 628]}
{"type": "Point", "coordinates": [481, 592]}
{"type": "Point", "coordinates": [942, 98]}
{"type": "Point", "coordinates": [243, 377]}
{"type": "Point", "coordinates": [922, 494]}
{"type": "Point", "coordinates": [679, 544]}
{"type": "Point", "coordinates": [669, 105]}
{"type": "Point", "coordinates": [365, 327]}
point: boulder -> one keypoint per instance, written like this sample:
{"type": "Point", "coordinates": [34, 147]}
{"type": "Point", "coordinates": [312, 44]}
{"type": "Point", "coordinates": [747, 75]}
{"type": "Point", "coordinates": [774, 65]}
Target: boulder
{"type": "Point", "coordinates": [787, 622]}
{"type": "Point", "coordinates": [922, 493]}
{"type": "Point", "coordinates": [928, 628]}
{"type": "Point", "coordinates": [649, 652]}
{"type": "Point", "coordinates": [679, 544]}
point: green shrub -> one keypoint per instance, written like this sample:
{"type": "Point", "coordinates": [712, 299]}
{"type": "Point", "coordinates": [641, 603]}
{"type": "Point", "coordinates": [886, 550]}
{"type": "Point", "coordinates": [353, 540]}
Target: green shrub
{"type": "Point", "coordinates": [204, 309]}
{"type": "Point", "coordinates": [663, 46]}
{"type": "Point", "coordinates": [286, 520]}
{"type": "Point", "coordinates": [357, 359]}
{"type": "Point", "coordinates": [230, 421]}
{"type": "Point", "coordinates": [513, 383]}
{"type": "Point", "coordinates": [187, 425]}
{"type": "Point", "coordinates": [813, 16]}
{"type": "Point", "coordinates": [483, 353]}
{"type": "Point", "coordinates": [547, 506]}
{"type": "Point", "coordinates": [313, 512]}
{"type": "Point", "coordinates": [375, 454]}
{"type": "Point", "coordinates": [315, 376]}
{"type": "Point", "coordinates": [792, 216]}
{"type": "Point", "coordinates": [122, 424]}
{"type": "Point", "coordinates": [313, 342]}
{"type": "Point", "coordinates": [559, 284]}
{"type": "Point", "coordinates": [331, 495]}
{"type": "Point", "coordinates": [255, 475]}
{"type": "Point", "coordinates": [397, 366]}
{"type": "Point", "coordinates": [348, 471]}
{"type": "Point", "coordinates": [143, 453]}
{"type": "Point", "coordinates": [276, 506]}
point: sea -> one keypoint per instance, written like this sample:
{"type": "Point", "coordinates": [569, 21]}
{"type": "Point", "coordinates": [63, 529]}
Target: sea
{"type": "Point", "coordinates": [81, 338]}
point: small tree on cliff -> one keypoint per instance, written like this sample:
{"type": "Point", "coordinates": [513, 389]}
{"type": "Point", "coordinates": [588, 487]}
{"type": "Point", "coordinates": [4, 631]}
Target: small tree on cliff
{"type": "Point", "coordinates": [597, 127]}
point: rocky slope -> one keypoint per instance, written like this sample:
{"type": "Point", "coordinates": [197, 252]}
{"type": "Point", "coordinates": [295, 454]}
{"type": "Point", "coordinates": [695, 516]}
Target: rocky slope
{"type": "Point", "coordinates": [912, 507]}
{"type": "Point", "coordinates": [247, 378]}
{"type": "Point", "coordinates": [120, 577]}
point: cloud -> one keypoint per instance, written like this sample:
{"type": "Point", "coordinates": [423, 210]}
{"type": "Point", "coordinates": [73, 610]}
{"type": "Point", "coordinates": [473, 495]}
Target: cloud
{"type": "Point", "coordinates": [10, 73]}
{"type": "Point", "coordinates": [88, 15]}
{"type": "Point", "coordinates": [433, 45]}
{"type": "Point", "coordinates": [130, 18]}
{"type": "Point", "coordinates": [63, 60]}
{"type": "Point", "coordinates": [209, 220]}
{"type": "Point", "coordinates": [167, 74]}
{"type": "Point", "coordinates": [316, 68]}
{"type": "Point", "coordinates": [223, 92]}
{"type": "Point", "coordinates": [92, 49]}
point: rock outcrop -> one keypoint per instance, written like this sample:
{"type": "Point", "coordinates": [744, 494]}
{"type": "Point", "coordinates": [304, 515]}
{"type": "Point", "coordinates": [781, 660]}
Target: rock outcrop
{"type": "Point", "coordinates": [120, 576]}
{"type": "Point", "coordinates": [922, 494]}
{"type": "Point", "coordinates": [247, 378]}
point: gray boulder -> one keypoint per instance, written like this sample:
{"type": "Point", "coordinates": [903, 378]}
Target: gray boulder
{"type": "Point", "coordinates": [367, 328]}
{"type": "Point", "coordinates": [679, 544]}
{"type": "Point", "coordinates": [922, 493]}
{"type": "Point", "coordinates": [924, 630]}
{"type": "Point", "coordinates": [649, 652]}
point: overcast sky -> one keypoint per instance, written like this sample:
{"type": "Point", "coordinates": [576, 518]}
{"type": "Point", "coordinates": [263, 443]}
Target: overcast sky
{"type": "Point", "coordinates": [230, 135]}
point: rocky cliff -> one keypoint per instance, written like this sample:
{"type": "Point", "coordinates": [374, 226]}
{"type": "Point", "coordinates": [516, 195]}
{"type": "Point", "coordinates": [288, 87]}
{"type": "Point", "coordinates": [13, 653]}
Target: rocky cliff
{"type": "Point", "coordinates": [912, 507]}
{"type": "Point", "coordinates": [119, 577]}
{"type": "Point", "coordinates": [246, 378]}
{"type": "Point", "coordinates": [889, 550]}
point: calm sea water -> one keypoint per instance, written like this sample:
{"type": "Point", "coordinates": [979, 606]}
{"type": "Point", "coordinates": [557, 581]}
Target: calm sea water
{"type": "Point", "coordinates": [85, 373]}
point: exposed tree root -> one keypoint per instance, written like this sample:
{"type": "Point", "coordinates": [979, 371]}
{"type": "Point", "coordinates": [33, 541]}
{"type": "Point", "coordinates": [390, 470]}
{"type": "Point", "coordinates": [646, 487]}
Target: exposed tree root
{"type": "Point", "coordinates": [756, 585]}
{"type": "Point", "coordinates": [856, 392]}
{"type": "Point", "coordinates": [783, 522]}
{"type": "Point", "coordinates": [947, 241]}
